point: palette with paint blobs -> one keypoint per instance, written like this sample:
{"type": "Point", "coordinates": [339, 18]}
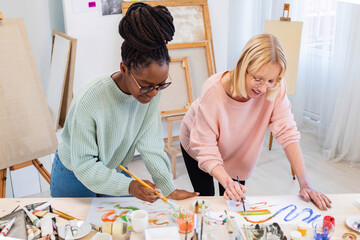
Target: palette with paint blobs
{"type": "Point", "coordinates": [201, 202]}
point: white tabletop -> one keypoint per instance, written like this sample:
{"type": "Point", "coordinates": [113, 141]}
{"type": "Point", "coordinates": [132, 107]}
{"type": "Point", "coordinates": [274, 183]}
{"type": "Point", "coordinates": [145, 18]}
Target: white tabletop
{"type": "Point", "coordinates": [343, 205]}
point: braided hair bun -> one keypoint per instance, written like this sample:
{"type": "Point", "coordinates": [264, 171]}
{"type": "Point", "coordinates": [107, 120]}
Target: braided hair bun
{"type": "Point", "coordinates": [146, 30]}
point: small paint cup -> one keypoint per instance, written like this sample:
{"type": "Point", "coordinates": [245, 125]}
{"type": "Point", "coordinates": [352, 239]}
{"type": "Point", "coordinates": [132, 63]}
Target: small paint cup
{"type": "Point", "coordinates": [322, 230]}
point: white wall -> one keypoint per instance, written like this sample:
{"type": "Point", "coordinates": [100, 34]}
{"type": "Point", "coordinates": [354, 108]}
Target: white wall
{"type": "Point", "coordinates": [219, 17]}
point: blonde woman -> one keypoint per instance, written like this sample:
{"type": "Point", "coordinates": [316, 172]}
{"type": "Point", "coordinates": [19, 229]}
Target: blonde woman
{"type": "Point", "coordinates": [222, 133]}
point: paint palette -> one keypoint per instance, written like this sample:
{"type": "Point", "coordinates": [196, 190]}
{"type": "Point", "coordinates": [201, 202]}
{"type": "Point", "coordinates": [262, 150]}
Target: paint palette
{"type": "Point", "coordinates": [353, 222]}
{"type": "Point", "coordinates": [83, 229]}
{"type": "Point", "coordinates": [207, 204]}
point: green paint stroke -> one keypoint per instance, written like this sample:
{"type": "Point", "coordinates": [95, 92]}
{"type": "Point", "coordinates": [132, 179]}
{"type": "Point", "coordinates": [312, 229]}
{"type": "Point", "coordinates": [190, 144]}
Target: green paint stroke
{"type": "Point", "coordinates": [264, 212]}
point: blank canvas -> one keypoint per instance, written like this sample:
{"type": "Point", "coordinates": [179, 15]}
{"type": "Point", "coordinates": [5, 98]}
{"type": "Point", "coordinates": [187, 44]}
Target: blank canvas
{"type": "Point", "coordinates": [26, 128]}
{"type": "Point", "coordinates": [289, 34]}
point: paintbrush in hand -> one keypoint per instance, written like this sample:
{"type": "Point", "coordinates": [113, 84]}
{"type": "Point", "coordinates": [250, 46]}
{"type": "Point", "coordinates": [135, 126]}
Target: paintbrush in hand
{"type": "Point", "coordinates": [172, 205]}
{"type": "Point", "coordinates": [243, 201]}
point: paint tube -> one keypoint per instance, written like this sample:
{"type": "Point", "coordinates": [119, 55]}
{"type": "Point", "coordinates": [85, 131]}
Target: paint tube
{"type": "Point", "coordinates": [45, 205]}
{"type": "Point", "coordinates": [32, 232]}
{"type": "Point", "coordinates": [46, 226]}
{"type": "Point", "coordinates": [7, 227]}
{"type": "Point", "coordinates": [33, 218]}
{"type": "Point", "coordinates": [68, 232]}
{"type": "Point", "coordinates": [50, 237]}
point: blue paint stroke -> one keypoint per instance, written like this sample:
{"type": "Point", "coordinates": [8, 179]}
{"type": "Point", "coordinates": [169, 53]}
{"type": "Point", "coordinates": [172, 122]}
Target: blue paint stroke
{"type": "Point", "coordinates": [306, 219]}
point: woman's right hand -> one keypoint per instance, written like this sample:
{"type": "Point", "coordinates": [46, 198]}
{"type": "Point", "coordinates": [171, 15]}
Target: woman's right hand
{"type": "Point", "coordinates": [141, 192]}
{"type": "Point", "coordinates": [234, 191]}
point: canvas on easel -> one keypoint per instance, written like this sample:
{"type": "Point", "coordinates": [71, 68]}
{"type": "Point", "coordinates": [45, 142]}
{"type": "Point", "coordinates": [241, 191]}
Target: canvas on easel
{"type": "Point", "coordinates": [289, 34]}
{"type": "Point", "coordinates": [174, 103]}
{"type": "Point", "coordinates": [191, 20]}
{"type": "Point", "coordinates": [26, 128]}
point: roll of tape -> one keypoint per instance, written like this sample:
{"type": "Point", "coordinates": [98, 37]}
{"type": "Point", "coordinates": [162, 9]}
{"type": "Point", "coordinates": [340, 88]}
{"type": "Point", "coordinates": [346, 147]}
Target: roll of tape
{"type": "Point", "coordinates": [107, 227]}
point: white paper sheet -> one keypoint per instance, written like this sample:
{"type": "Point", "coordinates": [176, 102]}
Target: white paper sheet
{"type": "Point", "coordinates": [115, 209]}
{"type": "Point", "coordinates": [280, 209]}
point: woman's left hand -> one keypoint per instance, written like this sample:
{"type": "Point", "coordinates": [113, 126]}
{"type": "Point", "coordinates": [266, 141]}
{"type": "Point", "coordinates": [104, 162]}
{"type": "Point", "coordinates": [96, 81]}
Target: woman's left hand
{"type": "Point", "coordinates": [179, 194]}
{"type": "Point", "coordinates": [319, 199]}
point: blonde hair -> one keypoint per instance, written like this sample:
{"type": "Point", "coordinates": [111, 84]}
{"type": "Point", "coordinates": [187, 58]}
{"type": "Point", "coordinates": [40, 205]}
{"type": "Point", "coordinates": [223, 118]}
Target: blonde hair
{"type": "Point", "coordinates": [258, 51]}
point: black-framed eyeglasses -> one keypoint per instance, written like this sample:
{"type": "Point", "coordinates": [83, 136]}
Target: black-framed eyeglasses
{"type": "Point", "coordinates": [147, 89]}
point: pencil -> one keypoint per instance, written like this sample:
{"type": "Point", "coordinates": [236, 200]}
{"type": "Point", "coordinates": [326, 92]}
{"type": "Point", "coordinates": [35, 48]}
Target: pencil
{"type": "Point", "coordinates": [143, 183]}
{"type": "Point", "coordinates": [64, 215]}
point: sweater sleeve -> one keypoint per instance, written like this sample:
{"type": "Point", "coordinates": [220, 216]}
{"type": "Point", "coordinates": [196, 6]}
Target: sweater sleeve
{"type": "Point", "coordinates": [282, 124]}
{"type": "Point", "coordinates": [204, 135]}
{"type": "Point", "coordinates": [86, 165]}
{"type": "Point", "coordinates": [151, 148]}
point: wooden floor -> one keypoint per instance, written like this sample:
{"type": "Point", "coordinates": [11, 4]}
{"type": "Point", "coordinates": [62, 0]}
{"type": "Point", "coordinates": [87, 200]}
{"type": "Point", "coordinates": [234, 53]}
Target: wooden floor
{"type": "Point", "coordinates": [272, 175]}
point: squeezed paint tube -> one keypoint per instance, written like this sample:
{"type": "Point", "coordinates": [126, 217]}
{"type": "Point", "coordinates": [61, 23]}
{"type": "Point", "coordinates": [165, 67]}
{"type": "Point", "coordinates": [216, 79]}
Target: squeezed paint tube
{"type": "Point", "coordinates": [7, 227]}
{"type": "Point", "coordinates": [32, 217]}
{"type": "Point", "coordinates": [45, 205]}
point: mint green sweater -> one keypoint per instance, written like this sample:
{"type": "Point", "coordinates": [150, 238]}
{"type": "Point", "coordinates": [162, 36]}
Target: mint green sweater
{"type": "Point", "coordinates": [102, 129]}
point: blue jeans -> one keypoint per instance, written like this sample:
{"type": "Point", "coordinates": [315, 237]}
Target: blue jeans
{"type": "Point", "coordinates": [65, 184]}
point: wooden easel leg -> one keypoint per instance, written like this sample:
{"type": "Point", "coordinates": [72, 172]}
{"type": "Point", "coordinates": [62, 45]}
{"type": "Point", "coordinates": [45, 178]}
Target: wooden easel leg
{"type": "Point", "coordinates": [3, 183]}
{"type": "Point", "coordinates": [270, 142]}
{"type": "Point", "coordinates": [37, 164]}
{"type": "Point", "coordinates": [42, 170]}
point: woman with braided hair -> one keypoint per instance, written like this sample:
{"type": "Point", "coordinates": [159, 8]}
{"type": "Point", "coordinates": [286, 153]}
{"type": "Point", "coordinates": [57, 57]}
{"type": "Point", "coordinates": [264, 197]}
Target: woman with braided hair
{"type": "Point", "coordinates": [117, 113]}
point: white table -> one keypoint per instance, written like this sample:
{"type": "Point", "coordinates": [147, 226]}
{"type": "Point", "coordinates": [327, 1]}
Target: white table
{"type": "Point", "coordinates": [343, 205]}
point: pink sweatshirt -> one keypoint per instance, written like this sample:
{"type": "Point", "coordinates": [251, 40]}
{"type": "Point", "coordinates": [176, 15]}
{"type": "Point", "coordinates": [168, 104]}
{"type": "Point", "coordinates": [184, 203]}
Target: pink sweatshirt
{"type": "Point", "coordinates": [219, 130]}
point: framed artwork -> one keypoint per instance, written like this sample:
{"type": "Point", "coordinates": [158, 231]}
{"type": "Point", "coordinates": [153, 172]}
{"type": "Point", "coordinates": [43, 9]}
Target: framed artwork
{"type": "Point", "coordinates": [199, 57]}
{"type": "Point", "coordinates": [178, 96]}
{"type": "Point", "coordinates": [191, 20]}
